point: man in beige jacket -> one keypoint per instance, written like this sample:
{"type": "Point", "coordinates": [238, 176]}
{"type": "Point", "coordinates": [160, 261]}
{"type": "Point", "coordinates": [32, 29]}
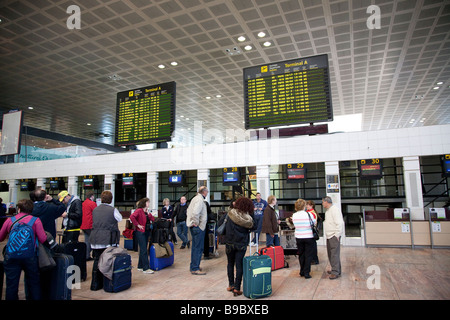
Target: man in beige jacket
{"type": "Point", "coordinates": [333, 228]}
{"type": "Point", "coordinates": [196, 218]}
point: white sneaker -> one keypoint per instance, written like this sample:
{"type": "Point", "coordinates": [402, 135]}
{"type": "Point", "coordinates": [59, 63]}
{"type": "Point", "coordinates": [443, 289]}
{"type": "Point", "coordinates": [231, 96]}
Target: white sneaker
{"type": "Point", "coordinates": [253, 244]}
{"type": "Point", "coordinates": [140, 269]}
{"type": "Point", "coordinates": [150, 271]}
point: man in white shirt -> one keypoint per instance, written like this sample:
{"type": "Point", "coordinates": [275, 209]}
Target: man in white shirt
{"type": "Point", "coordinates": [333, 228]}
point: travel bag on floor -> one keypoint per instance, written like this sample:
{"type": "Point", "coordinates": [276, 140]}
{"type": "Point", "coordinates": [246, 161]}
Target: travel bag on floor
{"type": "Point", "coordinates": [78, 251]}
{"type": "Point", "coordinates": [160, 263]}
{"type": "Point", "coordinates": [54, 284]}
{"type": "Point", "coordinates": [121, 276]}
{"type": "Point", "coordinates": [257, 275]}
{"type": "Point", "coordinates": [276, 253]}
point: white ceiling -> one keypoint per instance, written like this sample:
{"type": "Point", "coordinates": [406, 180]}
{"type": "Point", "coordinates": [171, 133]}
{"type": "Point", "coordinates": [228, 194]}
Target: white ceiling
{"type": "Point", "coordinates": [387, 75]}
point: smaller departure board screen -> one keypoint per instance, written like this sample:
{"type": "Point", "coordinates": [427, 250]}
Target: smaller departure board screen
{"type": "Point", "coordinates": [288, 92]}
{"type": "Point", "coordinates": [445, 160]}
{"type": "Point", "coordinates": [145, 115]}
{"type": "Point", "coordinates": [231, 176]}
{"type": "Point", "coordinates": [370, 169]}
{"type": "Point", "coordinates": [296, 172]}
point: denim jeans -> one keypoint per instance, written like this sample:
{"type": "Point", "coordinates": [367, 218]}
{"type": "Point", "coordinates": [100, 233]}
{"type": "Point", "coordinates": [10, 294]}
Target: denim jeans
{"type": "Point", "coordinates": [275, 241]}
{"type": "Point", "coordinates": [142, 239]}
{"type": "Point", "coordinates": [235, 256]}
{"type": "Point", "coordinates": [198, 239]}
{"type": "Point", "coordinates": [258, 221]}
{"type": "Point", "coordinates": [13, 269]}
{"type": "Point", "coordinates": [182, 232]}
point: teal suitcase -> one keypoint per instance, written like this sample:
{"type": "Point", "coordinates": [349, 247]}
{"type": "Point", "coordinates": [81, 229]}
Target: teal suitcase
{"type": "Point", "coordinates": [257, 275]}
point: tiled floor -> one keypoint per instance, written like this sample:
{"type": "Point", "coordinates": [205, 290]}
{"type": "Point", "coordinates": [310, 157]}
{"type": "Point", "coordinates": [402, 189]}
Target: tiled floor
{"type": "Point", "coordinates": [403, 274]}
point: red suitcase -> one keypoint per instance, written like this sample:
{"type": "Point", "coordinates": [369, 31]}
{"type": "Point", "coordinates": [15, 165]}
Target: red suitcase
{"type": "Point", "coordinates": [276, 253]}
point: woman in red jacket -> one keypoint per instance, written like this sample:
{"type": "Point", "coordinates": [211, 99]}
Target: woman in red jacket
{"type": "Point", "coordinates": [86, 225]}
{"type": "Point", "coordinates": [139, 218]}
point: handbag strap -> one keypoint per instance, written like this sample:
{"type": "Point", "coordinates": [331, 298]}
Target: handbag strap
{"type": "Point", "coordinates": [310, 221]}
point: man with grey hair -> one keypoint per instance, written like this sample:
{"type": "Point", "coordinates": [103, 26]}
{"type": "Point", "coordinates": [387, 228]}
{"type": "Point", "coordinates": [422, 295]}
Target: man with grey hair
{"type": "Point", "coordinates": [333, 228]}
{"type": "Point", "coordinates": [196, 218]}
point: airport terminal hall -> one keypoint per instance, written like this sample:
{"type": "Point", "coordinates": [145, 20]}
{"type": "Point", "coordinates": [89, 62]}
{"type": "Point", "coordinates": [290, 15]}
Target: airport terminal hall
{"type": "Point", "coordinates": [225, 157]}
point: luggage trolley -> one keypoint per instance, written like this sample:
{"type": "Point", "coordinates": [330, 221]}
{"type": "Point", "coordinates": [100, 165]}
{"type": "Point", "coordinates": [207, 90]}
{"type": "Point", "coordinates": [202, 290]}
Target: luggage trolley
{"type": "Point", "coordinates": [212, 237]}
{"type": "Point", "coordinates": [287, 239]}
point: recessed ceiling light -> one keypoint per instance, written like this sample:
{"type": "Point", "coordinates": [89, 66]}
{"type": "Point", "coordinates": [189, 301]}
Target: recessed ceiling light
{"type": "Point", "coordinates": [208, 97]}
{"type": "Point", "coordinates": [248, 47]}
{"type": "Point", "coordinates": [440, 82]}
{"type": "Point", "coordinates": [241, 38]}
{"type": "Point", "coordinates": [88, 124]}
{"type": "Point", "coordinates": [267, 44]}
{"type": "Point", "coordinates": [30, 108]}
{"type": "Point", "coordinates": [435, 88]}
{"type": "Point", "coordinates": [161, 66]}
{"type": "Point", "coordinates": [261, 34]}
{"type": "Point", "coordinates": [187, 118]}
{"type": "Point", "coordinates": [174, 63]}
{"type": "Point", "coordinates": [181, 116]}
{"type": "Point", "coordinates": [218, 96]}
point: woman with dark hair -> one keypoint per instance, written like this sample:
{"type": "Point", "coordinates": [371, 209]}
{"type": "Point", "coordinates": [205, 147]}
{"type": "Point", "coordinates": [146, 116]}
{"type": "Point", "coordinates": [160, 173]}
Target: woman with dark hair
{"type": "Point", "coordinates": [240, 222]}
{"type": "Point", "coordinates": [311, 208]}
{"type": "Point", "coordinates": [141, 218]}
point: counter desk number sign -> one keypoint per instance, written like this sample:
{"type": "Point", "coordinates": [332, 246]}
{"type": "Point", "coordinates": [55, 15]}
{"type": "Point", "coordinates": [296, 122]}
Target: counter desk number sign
{"type": "Point", "coordinates": [405, 227]}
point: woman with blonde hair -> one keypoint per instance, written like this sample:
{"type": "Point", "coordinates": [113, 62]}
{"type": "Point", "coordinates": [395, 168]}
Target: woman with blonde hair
{"type": "Point", "coordinates": [304, 237]}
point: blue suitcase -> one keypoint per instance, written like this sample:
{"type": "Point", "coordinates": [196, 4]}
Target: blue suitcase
{"type": "Point", "coordinates": [160, 263]}
{"type": "Point", "coordinates": [121, 279]}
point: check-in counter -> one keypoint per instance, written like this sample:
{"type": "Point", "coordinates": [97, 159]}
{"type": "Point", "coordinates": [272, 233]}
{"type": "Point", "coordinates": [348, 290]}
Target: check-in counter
{"type": "Point", "coordinates": [439, 220]}
{"type": "Point", "coordinates": [382, 229]}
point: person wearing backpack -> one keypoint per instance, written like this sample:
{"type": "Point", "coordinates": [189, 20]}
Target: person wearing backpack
{"type": "Point", "coordinates": [21, 250]}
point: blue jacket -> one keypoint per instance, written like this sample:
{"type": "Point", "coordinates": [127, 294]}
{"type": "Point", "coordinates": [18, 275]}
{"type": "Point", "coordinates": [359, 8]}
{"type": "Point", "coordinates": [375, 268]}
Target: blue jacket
{"type": "Point", "coordinates": [47, 212]}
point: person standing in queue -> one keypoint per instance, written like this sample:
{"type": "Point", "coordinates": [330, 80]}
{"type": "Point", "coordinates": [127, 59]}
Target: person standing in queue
{"type": "Point", "coordinates": [105, 233]}
{"type": "Point", "coordinates": [180, 214]}
{"type": "Point", "coordinates": [270, 224]}
{"type": "Point", "coordinates": [140, 217]}
{"type": "Point", "coordinates": [304, 237]}
{"type": "Point", "coordinates": [197, 216]}
{"type": "Point", "coordinates": [239, 224]}
{"type": "Point", "coordinates": [333, 228]}
{"type": "Point", "coordinates": [259, 207]}
{"type": "Point", "coordinates": [311, 209]}
{"type": "Point", "coordinates": [167, 213]}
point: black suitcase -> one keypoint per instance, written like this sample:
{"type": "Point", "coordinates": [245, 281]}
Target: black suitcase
{"type": "Point", "coordinates": [78, 251]}
{"type": "Point", "coordinates": [56, 286]}
{"type": "Point", "coordinates": [121, 279]}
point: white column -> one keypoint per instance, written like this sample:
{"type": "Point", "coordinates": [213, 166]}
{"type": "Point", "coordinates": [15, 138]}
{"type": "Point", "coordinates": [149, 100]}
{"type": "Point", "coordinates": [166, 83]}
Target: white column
{"type": "Point", "coordinates": [13, 188]}
{"type": "Point", "coordinates": [263, 181]}
{"type": "Point", "coordinates": [40, 182]}
{"type": "Point", "coordinates": [109, 184]}
{"type": "Point", "coordinates": [152, 190]}
{"type": "Point", "coordinates": [72, 185]}
{"type": "Point", "coordinates": [333, 190]}
{"type": "Point", "coordinates": [203, 180]}
{"type": "Point", "coordinates": [413, 187]}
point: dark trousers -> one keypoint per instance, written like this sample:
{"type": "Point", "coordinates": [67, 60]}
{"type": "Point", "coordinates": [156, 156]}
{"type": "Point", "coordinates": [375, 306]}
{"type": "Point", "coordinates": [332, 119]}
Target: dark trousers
{"type": "Point", "coordinates": [305, 254]}
{"type": "Point", "coordinates": [13, 269]}
{"type": "Point", "coordinates": [142, 239]}
{"type": "Point", "coordinates": [235, 257]}
{"type": "Point", "coordinates": [97, 276]}
{"type": "Point", "coordinates": [334, 255]}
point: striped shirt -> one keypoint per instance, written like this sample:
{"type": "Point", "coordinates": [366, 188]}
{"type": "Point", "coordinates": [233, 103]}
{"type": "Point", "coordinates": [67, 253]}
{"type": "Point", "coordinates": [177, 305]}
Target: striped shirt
{"type": "Point", "coordinates": [302, 224]}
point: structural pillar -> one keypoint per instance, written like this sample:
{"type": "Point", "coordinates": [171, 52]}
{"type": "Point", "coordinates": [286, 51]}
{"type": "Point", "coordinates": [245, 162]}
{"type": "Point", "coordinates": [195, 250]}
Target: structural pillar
{"type": "Point", "coordinates": [72, 185]}
{"type": "Point", "coordinates": [263, 181]}
{"type": "Point", "coordinates": [13, 188]}
{"type": "Point", "coordinates": [109, 184]}
{"type": "Point", "coordinates": [203, 180]}
{"type": "Point", "coordinates": [413, 187]}
{"type": "Point", "coordinates": [333, 190]}
{"type": "Point", "coordinates": [152, 190]}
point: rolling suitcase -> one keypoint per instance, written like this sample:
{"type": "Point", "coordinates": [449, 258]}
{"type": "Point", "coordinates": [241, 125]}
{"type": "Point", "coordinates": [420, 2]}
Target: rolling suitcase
{"type": "Point", "coordinates": [57, 287]}
{"type": "Point", "coordinates": [257, 275]}
{"type": "Point", "coordinates": [78, 251]}
{"type": "Point", "coordinates": [212, 237]}
{"type": "Point", "coordinates": [121, 279]}
{"type": "Point", "coordinates": [160, 263]}
{"type": "Point", "coordinates": [276, 253]}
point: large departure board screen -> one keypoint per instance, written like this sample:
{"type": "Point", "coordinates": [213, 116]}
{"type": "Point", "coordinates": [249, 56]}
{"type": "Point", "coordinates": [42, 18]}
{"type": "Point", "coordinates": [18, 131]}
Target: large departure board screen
{"type": "Point", "coordinates": [145, 115]}
{"type": "Point", "coordinates": [289, 92]}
